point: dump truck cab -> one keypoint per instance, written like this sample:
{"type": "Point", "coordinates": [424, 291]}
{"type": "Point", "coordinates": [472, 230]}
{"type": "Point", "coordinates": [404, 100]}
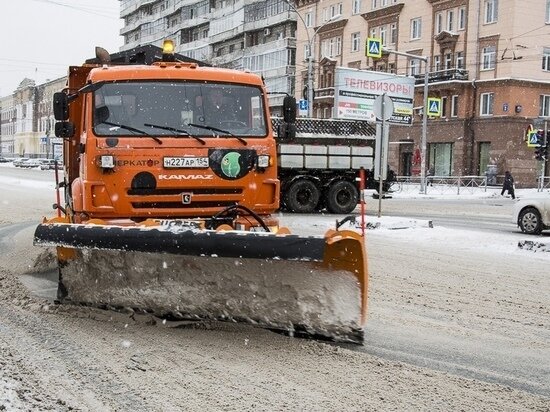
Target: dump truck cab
{"type": "Point", "coordinates": [167, 140]}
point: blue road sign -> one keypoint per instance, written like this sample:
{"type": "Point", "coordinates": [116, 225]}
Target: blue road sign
{"type": "Point", "coordinates": [434, 106]}
{"type": "Point", "coordinates": [374, 47]}
{"type": "Point", "coordinates": [533, 138]}
{"type": "Point", "coordinates": [302, 105]}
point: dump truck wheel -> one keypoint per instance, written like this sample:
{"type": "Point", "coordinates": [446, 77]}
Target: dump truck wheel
{"type": "Point", "coordinates": [341, 197]}
{"type": "Point", "coordinates": [302, 196]}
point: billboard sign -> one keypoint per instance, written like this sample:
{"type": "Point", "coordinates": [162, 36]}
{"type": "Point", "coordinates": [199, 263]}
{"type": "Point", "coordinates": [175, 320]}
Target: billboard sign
{"type": "Point", "coordinates": [356, 90]}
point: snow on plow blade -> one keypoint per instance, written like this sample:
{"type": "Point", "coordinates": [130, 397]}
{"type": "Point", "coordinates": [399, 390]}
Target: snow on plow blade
{"type": "Point", "coordinates": [307, 285]}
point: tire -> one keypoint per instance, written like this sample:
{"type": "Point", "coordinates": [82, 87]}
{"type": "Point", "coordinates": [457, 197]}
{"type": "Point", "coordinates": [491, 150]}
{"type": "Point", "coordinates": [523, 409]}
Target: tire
{"type": "Point", "coordinates": [341, 197]}
{"type": "Point", "coordinates": [302, 196]}
{"type": "Point", "coordinates": [530, 221]}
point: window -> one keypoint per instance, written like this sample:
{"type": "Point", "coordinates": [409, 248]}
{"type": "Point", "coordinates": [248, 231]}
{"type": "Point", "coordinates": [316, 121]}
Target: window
{"type": "Point", "coordinates": [356, 7]}
{"type": "Point", "coordinates": [486, 107]}
{"type": "Point", "coordinates": [544, 110]}
{"type": "Point", "coordinates": [309, 19]}
{"type": "Point", "coordinates": [454, 105]}
{"type": "Point", "coordinates": [450, 20]}
{"type": "Point", "coordinates": [546, 59]}
{"type": "Point", "coordinates": [488, 58]}
{"type": "Point", "coordinates": [462, 18]}
{"type": "Point", "coordinates": [416, 28]}
{"type": "Point", "coordinates": [373, 32]}
{"type": "Point", "coordinates": [335, 10]}
{"type": "Point", "coordinates": [306, 51]}
{"type": "Point", "coordinates": [491, 11]}
{"type": "Point", "coordinates": [459, 64]}
{"type": "Point", "coordinates": [448, 60]}
{"type": "Point", "coordinates": [437, 63]}
{"type": "Point", "coordinates": [414, 67]}
{"type": "Point", "coordinates": [547, 19]}
{"type": "Point", "coordinates": [383, 36]}
{"type": "Point", "coordinates": [393, 33]}
{"type": "Point", "coordinates": [444, 107]}
{"type": "Point", "coordinates": [438, 23]}
{"type": "Point", "coordinates": [484, 156]}
{"type": "Point", "coordinates": [355, 42]}
{"type": "Point", "coordinates": [374, 5]}
{"type": "Point", "coordinates": [332, 47]}
{"type": "Point", "coordinates": [441, 158]}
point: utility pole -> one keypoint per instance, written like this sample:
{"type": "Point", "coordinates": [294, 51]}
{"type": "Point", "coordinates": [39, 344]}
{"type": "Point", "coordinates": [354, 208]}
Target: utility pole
{"type": "Point", "coordinates": [310, 40]}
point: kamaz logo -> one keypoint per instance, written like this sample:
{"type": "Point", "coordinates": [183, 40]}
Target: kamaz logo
{"type": "Point", "coordinates": [186, 177]}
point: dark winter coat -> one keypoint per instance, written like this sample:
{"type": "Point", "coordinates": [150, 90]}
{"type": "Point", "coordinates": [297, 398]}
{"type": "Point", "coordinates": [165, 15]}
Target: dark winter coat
{"type": "Point", "coordinates": [508, 181]}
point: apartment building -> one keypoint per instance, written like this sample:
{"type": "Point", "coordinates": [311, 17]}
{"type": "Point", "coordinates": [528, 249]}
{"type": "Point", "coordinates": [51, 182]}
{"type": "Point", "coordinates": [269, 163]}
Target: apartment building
{"type": "Point", "coordinates": [488, 61]}
{"type": "Point", "coordinates": [255, 35]}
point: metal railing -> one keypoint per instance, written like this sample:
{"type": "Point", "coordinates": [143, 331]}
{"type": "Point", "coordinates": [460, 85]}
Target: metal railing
{"type": "Point", "coordinates": [441, 184]}
{"type": "Point", "coordinates": [543, 183]}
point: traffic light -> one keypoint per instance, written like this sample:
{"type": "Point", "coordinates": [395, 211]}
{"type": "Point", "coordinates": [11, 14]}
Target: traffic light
{"type": "Point", "coordinates": [541, 152]}
{"type": "Point", "coordinates": [538, 152]}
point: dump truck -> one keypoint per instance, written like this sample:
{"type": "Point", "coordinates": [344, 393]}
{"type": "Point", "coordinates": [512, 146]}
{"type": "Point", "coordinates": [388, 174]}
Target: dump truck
{"type": "Point", "coordinates": [170, 188]}
{"type": "Point", "coordinates": [319, 164]}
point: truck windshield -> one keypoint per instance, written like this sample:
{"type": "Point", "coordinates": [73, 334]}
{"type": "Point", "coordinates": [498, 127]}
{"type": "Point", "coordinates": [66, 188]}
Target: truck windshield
{"type": "Point", "coordinates": [198, 108]}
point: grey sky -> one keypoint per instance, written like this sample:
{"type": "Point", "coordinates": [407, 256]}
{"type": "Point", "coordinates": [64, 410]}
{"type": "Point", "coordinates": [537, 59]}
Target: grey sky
{"type": "Point", "coordinates": [39, 39]}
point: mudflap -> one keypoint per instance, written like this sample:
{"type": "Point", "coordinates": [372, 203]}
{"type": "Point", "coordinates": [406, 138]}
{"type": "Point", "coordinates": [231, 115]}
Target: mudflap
{"type": "Point", "coordinates": [313, 286]}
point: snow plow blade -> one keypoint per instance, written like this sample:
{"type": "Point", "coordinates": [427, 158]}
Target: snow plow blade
{"type": "Point", "coordinates": [314, 286]}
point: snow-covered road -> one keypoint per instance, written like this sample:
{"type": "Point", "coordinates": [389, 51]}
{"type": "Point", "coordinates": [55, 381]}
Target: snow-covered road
{"type": "Point", "coordinates": [458, 320]}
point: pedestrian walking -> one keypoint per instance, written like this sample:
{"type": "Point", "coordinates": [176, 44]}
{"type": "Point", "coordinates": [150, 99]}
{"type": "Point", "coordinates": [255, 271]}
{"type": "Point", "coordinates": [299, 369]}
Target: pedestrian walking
{"type": "Point", "coordinates": [508, 185]}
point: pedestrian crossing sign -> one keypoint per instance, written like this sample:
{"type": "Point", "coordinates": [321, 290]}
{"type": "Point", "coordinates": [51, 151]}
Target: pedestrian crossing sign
{"type": "Point", "coordinates": [434, 107]}
{"type": "Point", "coordinates": [374, 47]}
{"type": "Point", "coordinates": [533, 138]}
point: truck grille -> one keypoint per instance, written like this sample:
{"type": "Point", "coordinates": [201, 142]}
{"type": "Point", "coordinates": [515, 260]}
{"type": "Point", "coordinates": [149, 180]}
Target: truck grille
{"type": "Point", "coordinates": [138, 197]}
{"type": "Point", "coordinates": [195, 191]}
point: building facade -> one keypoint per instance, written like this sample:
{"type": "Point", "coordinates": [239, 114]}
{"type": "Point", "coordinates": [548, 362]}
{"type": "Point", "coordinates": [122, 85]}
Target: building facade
{"type": "Point", "coordinates": [255, 35]}
{"type": "Point", "coordinates": [27, 121]}
{"type": "Point", "coordinates": [488, 61]}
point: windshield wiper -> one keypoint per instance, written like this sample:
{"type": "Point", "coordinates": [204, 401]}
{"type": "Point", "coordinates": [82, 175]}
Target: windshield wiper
{"type": "Point", "coordinates": [133, 129]}
{"type": "Point", "coordinates": [215, 129]}
{"type": "Point", "coordinates": [173, 129]}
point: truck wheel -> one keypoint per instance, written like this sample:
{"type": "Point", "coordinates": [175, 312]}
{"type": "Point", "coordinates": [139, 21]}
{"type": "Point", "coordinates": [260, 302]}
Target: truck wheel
{"type": "Point", "coordinates": [341, 197]}
{"type": "Point", "coordinates": [529, 221]}
{"type": "Point", "coordinates": [302, 196]}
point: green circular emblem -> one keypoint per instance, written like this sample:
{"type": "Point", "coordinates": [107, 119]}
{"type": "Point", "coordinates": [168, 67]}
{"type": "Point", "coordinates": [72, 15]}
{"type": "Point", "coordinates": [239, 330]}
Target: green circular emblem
{"type": "Point", "coordinates": [230, 164]}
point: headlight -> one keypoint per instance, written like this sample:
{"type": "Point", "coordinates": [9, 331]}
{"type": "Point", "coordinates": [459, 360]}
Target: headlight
{"type": "Point", "coordinates": [107, 161]}
{"type": "Point", "coordinates": [263, 160]}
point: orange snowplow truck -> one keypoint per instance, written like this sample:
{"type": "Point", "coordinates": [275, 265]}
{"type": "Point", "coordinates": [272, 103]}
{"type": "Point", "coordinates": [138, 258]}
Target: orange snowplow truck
{"type": "Point", "coordinates": [170, 185]}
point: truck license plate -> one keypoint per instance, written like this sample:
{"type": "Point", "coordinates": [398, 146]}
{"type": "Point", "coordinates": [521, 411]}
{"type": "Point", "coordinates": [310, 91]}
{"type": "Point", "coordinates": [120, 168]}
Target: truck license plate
{"type": "Point", "coordinates": [186, 162]}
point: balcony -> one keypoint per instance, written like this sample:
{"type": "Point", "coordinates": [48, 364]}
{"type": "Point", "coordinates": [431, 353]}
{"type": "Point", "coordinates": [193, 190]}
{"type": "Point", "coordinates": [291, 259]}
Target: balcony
{"type": "Point", "coordinates": [324, 94]}
{"type": "Point", "coordinates": [442, 76]}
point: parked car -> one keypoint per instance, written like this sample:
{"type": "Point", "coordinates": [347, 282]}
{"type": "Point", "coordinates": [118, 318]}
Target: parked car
{"type": "Point", "coordinates": [30, 163]}
{"type": "Point", "coordinates": [532, 214]}
{"type": "Point", "coordinates": [46, 164]}
{"type": "Point", "coordinates": [4, 160]}
{"type": "Point", "coordinates": [19, 161]}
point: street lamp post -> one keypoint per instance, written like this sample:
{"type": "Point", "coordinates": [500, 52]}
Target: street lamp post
{"type": "Point", "coordinates": [423, 143]}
